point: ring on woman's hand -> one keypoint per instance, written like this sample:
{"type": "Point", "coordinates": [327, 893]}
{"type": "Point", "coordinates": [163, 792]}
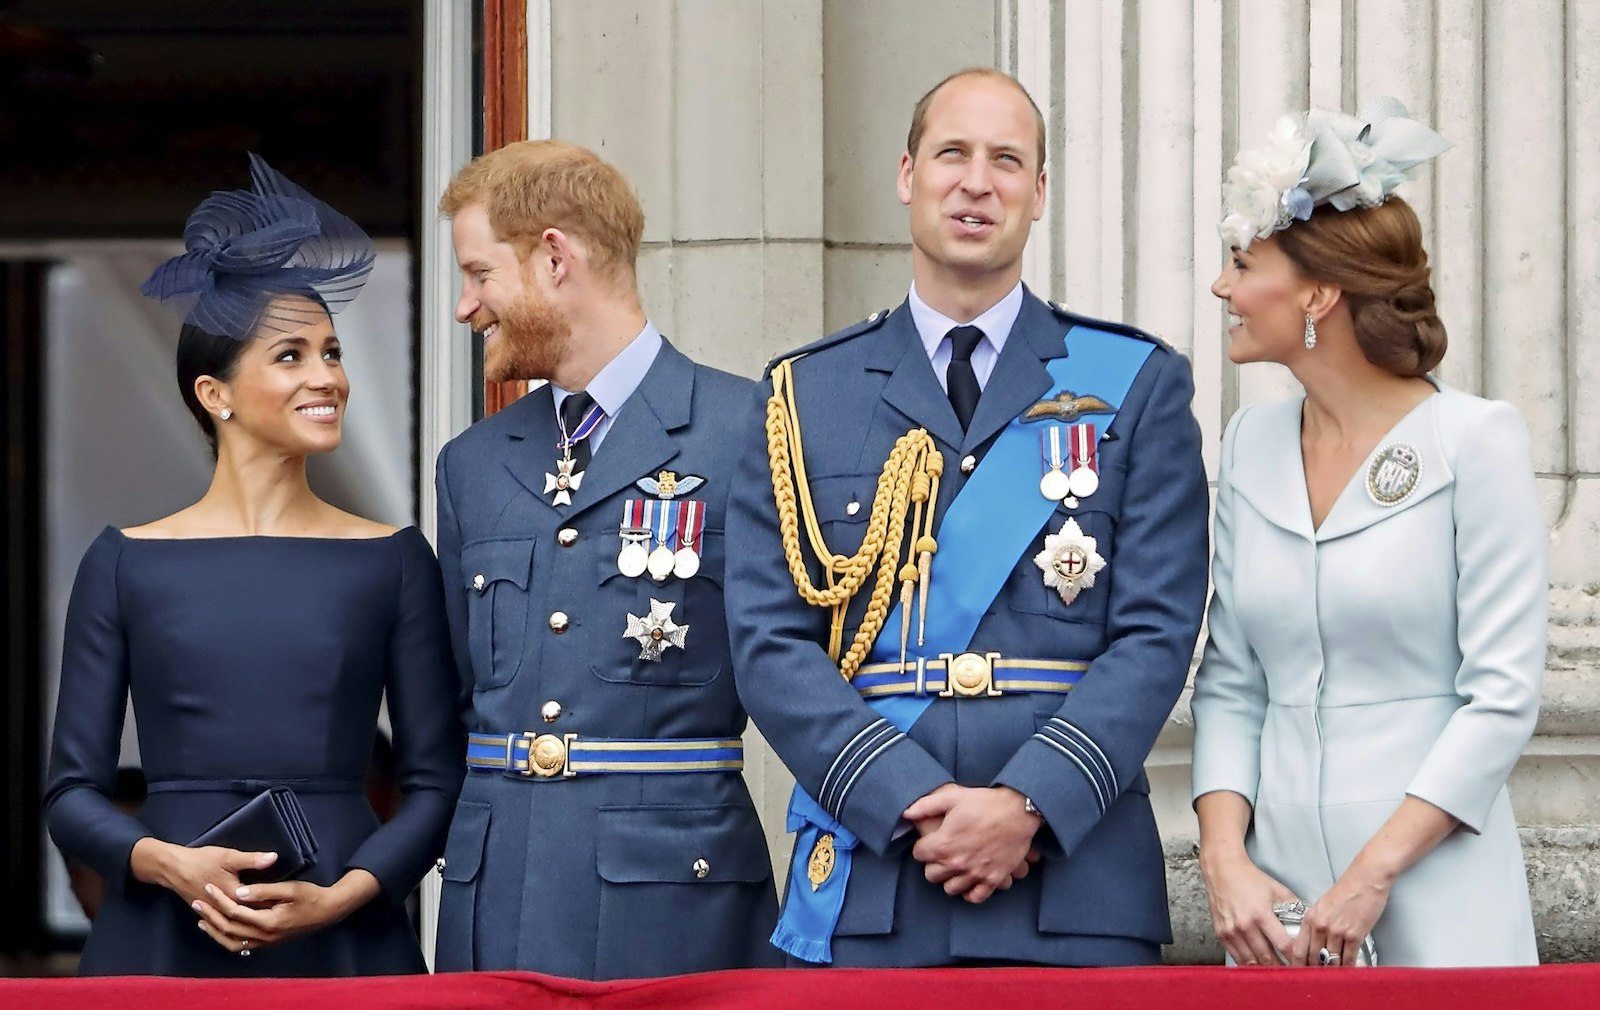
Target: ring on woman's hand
{"type": "Point", "coordinates": [244, 948]}
{"type": "Point", "coordinates": [1326, 956]}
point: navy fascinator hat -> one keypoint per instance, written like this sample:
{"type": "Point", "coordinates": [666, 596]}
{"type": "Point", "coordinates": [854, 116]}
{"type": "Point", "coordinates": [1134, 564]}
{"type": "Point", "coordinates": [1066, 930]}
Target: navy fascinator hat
{"type": "Point", "coordinates": [247, 250]}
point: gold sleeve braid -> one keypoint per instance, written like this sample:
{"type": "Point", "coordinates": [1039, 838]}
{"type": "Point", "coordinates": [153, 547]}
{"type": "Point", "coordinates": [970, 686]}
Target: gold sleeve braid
{"type": "Point", "coordinates": [910, 476]}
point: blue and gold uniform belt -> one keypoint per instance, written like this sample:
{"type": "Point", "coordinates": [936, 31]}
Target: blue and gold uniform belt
{"type": "Point", "coordinates": [968, 675]}
{"type": "Point", "coordinates": [567, 755]}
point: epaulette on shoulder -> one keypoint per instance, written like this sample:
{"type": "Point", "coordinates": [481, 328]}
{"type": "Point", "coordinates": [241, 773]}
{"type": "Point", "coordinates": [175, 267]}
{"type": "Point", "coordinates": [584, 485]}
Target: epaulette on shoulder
{"type": "Point", "coordinates": [1126, 329]}
{"type": "Point", "coordinates": [866, 325]}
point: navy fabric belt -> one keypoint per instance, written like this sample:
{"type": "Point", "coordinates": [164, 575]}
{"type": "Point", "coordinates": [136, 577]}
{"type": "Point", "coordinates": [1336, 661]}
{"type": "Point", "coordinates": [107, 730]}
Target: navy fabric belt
{"type": "Point", "coordinates": [968, 675]}
{"type": "Point", "coordinates": [318, 785]}
{"type": "Point", "coordinates": [550, 755]}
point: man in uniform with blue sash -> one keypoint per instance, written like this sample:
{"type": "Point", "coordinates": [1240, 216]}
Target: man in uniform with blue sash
{"type": "Point", "coordinates": [967, 559]}
{"type": "Point", "coordinates": [604, 830]}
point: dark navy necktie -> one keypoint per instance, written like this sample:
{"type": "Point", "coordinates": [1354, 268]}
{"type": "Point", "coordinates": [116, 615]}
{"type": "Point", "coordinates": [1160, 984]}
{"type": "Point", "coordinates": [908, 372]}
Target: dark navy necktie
{"type": "Point", "coordinates": [961, 382]}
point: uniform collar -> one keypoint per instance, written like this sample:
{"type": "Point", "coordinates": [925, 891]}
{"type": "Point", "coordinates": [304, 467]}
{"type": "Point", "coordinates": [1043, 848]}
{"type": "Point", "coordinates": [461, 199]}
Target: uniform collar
{"type": "Point", "coordinates": [995, 321]}
{"type": "Point", "coordinates": [614, 383]}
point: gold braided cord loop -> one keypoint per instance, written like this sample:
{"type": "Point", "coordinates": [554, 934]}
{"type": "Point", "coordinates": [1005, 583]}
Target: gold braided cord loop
{"type": "Point", "coordinates": [909, 475]}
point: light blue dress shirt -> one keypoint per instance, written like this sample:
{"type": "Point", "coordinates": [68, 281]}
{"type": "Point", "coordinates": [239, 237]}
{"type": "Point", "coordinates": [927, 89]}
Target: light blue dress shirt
{"type": "Point", "coordinates": [995, 322]}
{"type": "Point", "coordinates": [614, 383]}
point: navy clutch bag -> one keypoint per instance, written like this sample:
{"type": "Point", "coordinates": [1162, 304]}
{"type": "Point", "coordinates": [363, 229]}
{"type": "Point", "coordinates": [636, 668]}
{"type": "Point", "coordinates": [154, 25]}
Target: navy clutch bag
{"type": "Point", "coordinates": [271, 822]}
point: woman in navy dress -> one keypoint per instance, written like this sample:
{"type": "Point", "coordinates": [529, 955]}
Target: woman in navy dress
{"type": "Point", "coordinates": [257, 632]}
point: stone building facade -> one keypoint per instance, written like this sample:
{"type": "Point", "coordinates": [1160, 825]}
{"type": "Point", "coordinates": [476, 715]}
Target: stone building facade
{"type": "Point", "coordinates": [763, 138]}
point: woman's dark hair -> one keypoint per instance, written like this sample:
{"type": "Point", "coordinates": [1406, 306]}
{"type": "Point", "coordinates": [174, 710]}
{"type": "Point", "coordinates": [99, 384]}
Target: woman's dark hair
{"type": "Point", "coordinates": [1375, 256]}
{"type": "Point", "coordinates": [201, 353]}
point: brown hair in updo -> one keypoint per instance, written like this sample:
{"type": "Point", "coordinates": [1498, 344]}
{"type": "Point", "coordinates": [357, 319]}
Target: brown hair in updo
{"type": "Point", "coordinates": [1375, 257]}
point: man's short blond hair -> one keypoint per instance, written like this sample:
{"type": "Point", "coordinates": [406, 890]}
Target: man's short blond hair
{"type": "Point", "coordinates": [532, 185]}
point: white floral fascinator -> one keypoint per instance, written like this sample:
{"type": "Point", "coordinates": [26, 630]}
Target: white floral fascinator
{"type": "Point", "coordinates": [1321, 157]}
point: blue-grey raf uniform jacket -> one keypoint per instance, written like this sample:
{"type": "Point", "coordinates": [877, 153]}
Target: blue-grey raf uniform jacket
{"type": "Point", "coordinates": [603, 876]}
{"type": "Point", "coordinates": [1099, 894]}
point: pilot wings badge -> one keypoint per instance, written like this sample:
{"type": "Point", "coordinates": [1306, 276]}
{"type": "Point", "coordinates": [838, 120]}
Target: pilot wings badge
{"type": "Point", "coordinates": [1069, 561]}
{"type": "Point", "coordinates": [1066, 407]}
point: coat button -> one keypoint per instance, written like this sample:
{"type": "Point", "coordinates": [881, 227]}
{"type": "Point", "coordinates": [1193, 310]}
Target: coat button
{"type": "Point", "coordinates": [852, 508]}
{"type": "Point", "coordinates": [558, 622]}
{"type": "Point", "coordinates": [478, 582]}
{"type": "Point", "coordinates": [439, 864]}
{"type": "Point", "coordinates": [702, 869]}
{"type": "Point", "coordinates": [566, 536]}
{"type": "Point", "coordinates": [550, 711]}
{"type": "Point", "coordinates": [969, 464]}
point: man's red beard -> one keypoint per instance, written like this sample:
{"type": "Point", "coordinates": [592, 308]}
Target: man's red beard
{"type": "Point", "coordinates": [530, 344]}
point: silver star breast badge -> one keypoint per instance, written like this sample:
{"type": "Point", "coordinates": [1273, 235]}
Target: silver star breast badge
{"type": "Point", "coordinates": [1069, 561]}
{"type": "Point", "coordinates": [656, 632]}
{"type": "Point", "coordinates": [563, 482]}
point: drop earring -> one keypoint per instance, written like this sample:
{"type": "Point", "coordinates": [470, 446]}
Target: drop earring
{"type": "Point", "coordinates": [228, 414]}
{"type": "Point", "coordinates": [1311, 332]}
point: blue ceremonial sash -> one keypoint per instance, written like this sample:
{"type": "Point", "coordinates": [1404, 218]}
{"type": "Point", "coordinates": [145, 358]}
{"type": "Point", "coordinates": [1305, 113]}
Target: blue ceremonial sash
{"type": "Point", "coordinates": [987, 528]}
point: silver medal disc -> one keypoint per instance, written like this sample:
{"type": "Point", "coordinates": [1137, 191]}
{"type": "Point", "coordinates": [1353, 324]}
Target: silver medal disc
{"type": "Point", "coordinates": [1084, 482]}
{"type": "Point", "coordinates": [1055, 485]}
{"type": "Point", "coordinates": [633, 560]}
{"type": "Point", "coordinates": [685, 563]}
{"type": "Point", "coordinates": [661, 562]}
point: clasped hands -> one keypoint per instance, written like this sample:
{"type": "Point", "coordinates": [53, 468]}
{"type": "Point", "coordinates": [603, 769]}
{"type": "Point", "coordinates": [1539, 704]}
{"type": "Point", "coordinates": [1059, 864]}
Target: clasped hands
{"type": "Point", "coordinates": [974, 841]}
{"type": "Point", "coordinates": [240, 917]}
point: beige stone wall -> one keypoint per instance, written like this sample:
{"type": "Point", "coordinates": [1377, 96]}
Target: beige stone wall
{"type": "Point", "coordinates": [763, 137]}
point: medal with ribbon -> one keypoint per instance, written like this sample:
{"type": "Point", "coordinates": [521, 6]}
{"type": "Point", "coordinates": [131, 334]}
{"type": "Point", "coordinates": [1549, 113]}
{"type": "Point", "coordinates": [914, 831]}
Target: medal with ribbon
{"type": "Point", "coordinates": [633, 557]}
{"type": "Point", "coordinates": [663, 522]}
{"type": "Point", "coordinates": [567, 478]}
{"type": "Point", "coordinates": [691, 524]}
{"type": "Point", "coordinates": [1084, 478]}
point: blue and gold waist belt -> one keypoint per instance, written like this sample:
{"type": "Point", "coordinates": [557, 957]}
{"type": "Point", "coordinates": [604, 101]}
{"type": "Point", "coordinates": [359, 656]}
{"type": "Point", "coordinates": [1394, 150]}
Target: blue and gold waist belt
{"type": "Point", "coordinates": [568, 755]}
{"type": "Point", "coordinates": [968, 675]}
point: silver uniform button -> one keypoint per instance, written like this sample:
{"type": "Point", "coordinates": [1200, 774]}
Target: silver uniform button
{"type": "Point", "coordinates": [478, 582]}
{"type": "Point", "coordinates": [550, 711]}
{"type": "Point", "coordinates": [852, 508]}
{"type": "Point", "coordinates": [969, 464]}
{"type": "Point", "coordinates": [558, 622]}
{"type": "Point", "coordinates": [566, 536]}
{"type": "Point", "coordinates": [702, 869]}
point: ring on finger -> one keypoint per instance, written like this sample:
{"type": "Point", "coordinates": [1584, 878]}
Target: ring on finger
{"type": "Point", "coordinates": [1327, 957]}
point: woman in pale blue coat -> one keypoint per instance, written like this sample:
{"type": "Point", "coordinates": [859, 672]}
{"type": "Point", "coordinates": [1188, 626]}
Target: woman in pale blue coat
{"type": "Point", "coordinates": [1377, 630]}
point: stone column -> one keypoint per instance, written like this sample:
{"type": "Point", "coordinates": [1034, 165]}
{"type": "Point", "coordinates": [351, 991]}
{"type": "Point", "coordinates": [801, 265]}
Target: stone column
{"type": "Point", "coordinates": [1146, 112]}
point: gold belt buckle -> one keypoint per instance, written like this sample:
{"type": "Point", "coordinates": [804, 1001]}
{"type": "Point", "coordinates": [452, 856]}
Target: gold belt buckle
{"type": "Point", "coordinates": [969, 675]}
{"type": "Point", "coordinates": [550, 755]}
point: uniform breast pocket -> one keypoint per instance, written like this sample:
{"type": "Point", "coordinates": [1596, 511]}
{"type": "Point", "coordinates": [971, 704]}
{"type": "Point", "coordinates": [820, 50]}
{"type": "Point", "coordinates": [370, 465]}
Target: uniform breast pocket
{"type": "Point", "coordinates": [497, 575]}
{"type": "Point", "coordinates": [695, 603]}
{"type": "Point", "coordinates": [843, 504]}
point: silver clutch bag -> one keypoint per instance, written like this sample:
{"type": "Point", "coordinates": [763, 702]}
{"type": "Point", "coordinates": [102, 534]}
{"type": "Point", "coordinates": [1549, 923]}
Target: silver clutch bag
{"type": "Point", "coordinates": [1291, 913]}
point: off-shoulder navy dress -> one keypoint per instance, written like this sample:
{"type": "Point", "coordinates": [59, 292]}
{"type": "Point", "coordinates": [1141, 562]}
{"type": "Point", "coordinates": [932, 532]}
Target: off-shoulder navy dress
{"type": "Point", "coordinates": [254, 661]}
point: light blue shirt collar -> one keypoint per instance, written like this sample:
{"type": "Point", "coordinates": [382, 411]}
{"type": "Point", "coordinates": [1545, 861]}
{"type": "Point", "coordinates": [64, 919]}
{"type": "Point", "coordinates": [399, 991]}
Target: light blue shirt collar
{"type": "Point", "coordinates": [614, 383]}
{"type": "Point", "coordinates": [996, 322]}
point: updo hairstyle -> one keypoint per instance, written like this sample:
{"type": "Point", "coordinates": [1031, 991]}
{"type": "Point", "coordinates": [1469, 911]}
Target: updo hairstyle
{"type": "Point", "coordinates": [1375, 257]}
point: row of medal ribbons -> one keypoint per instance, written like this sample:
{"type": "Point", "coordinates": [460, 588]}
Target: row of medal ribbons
{"type": "Point", "coordinates": [661, 538]}
{"type": "Point", "coordinates": [1071, 470]}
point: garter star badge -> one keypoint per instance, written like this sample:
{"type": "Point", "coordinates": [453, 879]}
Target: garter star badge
{"type": "Point", "coordinates": [656, 632]}
{"type": "Point", "coordinates": [1069, 561]}
{"type": "Point", "coordinates": [1393, 475]}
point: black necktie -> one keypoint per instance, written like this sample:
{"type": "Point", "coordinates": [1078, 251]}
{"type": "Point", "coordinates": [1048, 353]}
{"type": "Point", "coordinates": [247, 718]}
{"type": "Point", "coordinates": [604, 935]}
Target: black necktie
{"type": "Point", "coordinates": [961, 382]}
{"type": "Point", "coordinates": [573, 409]}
